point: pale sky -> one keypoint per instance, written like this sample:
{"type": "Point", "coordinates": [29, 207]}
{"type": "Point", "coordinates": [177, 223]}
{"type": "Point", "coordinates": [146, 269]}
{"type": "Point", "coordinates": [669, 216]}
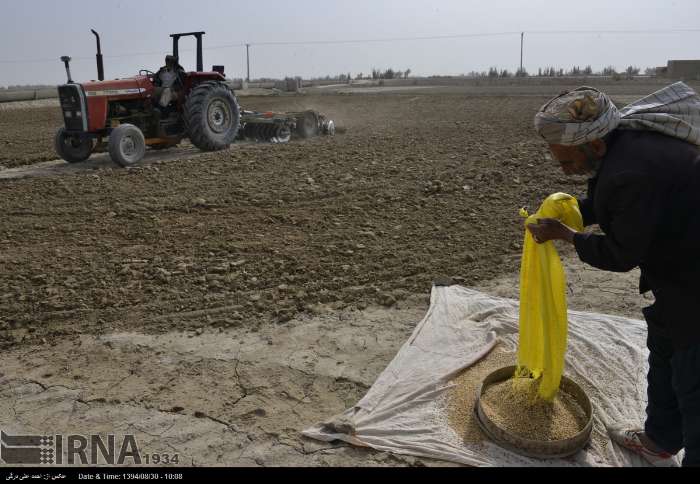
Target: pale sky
{"type": "Point", "coordinates": [137, 31]}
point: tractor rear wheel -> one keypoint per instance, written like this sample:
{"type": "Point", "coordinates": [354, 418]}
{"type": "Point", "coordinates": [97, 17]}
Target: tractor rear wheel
{"type": "Point", "coordinates": [126, 145]}
{"type": "Point", "coordinates": [212, 116]}
{"type": "Point", "coordinates": [73, 149]}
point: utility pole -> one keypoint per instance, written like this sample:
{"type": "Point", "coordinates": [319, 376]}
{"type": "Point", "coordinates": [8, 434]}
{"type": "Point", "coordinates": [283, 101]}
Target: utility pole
{"type": "Point", "coordinates": [247, 55]}
{"type": "Point", "coordinates": [522, 40]}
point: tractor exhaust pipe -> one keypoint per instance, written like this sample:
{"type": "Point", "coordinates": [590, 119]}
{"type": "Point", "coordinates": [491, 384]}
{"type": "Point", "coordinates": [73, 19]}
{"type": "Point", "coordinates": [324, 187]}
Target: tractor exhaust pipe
{"type": "Point", "coordinates": [100, 65]}
{"type": "Point", "coordinates": [66, 61]}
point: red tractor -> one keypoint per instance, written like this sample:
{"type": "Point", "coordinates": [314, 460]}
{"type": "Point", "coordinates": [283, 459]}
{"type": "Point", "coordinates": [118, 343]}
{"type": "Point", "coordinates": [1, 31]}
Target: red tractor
{"type": "Point", "coordinates": [157, 110]}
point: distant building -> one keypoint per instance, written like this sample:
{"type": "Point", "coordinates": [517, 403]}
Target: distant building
{"type": "Point", "coordinates": [683, 69]}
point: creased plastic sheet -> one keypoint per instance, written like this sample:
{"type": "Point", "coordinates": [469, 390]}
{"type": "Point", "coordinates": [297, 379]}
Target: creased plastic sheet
{"type": "Point", "coordinates": [403, 411]}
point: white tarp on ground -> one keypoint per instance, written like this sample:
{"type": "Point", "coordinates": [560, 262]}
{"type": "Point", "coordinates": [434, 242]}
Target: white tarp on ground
{"type": "Point", "coordinates": [401, 413]}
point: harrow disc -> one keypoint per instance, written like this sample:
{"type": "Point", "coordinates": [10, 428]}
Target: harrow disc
{"type": "Point", "coordinates": [329, 128]}
{"type": "Point", "coordinates": [267, 132]}
{"type": "Point", "coordinates": [282, 135]}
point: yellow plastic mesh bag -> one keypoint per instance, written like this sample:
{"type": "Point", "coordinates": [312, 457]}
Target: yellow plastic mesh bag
{"type": "Point", "coordinates": [543, 310]}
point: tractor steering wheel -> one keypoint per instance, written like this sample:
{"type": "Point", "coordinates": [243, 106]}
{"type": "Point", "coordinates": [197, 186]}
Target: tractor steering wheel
{"type": "Point", "coordinates": [147, 72]}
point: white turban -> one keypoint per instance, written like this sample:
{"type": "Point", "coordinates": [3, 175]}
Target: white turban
{"type": "Point", "coordinates": [586, 114]}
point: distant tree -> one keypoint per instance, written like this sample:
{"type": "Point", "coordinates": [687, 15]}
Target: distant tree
{"type": "Point", "coordinates": [539, 72]}
{"type": "Point", "coordinates": [521, 72]}
{"type": "Point", "coordinates": [575, 71]}
{"type": "Point", "coordinates": [407, 73]}
{"type": "Point", "coordinates": [588, 70]}
{"type": "Point", "coordinates": [650, 71]}
{"type": "Point", "coordinates": [504, 73]}
{"type": "Point", "coordinates": [632, 71]}
{"type": "Point", "coordinates": [493, 72]}
{"type": "Point", "coordinates": [609, 71]}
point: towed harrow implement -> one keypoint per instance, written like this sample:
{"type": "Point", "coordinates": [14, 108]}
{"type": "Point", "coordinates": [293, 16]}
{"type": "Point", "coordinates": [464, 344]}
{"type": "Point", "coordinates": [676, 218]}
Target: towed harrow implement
{"type": "Point", "coordinates": [271, 127]}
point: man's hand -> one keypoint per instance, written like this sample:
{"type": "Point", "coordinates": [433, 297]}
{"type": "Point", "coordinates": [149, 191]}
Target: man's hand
{"type": "Point", "coordinates": [547, 229]}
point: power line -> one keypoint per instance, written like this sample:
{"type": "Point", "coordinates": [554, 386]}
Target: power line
{"type": "Point", "coordinates": [381, 40]}
{"type": "Point", "coordinates": [116, 56]}
{"type": "Point", "coordinates": [73, 59]}
{"type": "Point", "coordinates": [464, 36]}
{"type": "Point", "coordinates": [391, 39]}
{"type": "Point", "coordinates": [648, 31]}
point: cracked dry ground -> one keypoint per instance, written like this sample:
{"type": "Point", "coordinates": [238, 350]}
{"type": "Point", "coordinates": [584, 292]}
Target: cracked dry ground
{"type": "Point", "coordinates": [220, 304]}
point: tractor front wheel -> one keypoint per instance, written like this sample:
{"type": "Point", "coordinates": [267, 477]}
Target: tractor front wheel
{"type": "Point", "coordinates": [212, 116]}
{"type": "Point", "coordinates": [73, 149]}
{"type": "Point", "coordinates": [127, 145]}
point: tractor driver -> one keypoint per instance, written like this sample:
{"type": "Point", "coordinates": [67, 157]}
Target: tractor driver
{"type": "Point", "coordinates": [165, 81]}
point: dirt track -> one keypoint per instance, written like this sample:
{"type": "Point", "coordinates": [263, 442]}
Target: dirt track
{"type": "Point", "coordinates": [283, 259]}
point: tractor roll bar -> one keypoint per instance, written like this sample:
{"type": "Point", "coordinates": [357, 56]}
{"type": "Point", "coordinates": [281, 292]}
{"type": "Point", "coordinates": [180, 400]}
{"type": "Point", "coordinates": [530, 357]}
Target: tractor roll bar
{"type": "Point", "coordinates": [198, 36]}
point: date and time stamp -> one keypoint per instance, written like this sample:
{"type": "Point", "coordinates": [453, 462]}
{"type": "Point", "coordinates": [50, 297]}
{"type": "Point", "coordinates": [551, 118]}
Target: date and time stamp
{"type": "Point", "coordinates": [130, 476]}
{"type": "Point", "coordinates": [148, 459]}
